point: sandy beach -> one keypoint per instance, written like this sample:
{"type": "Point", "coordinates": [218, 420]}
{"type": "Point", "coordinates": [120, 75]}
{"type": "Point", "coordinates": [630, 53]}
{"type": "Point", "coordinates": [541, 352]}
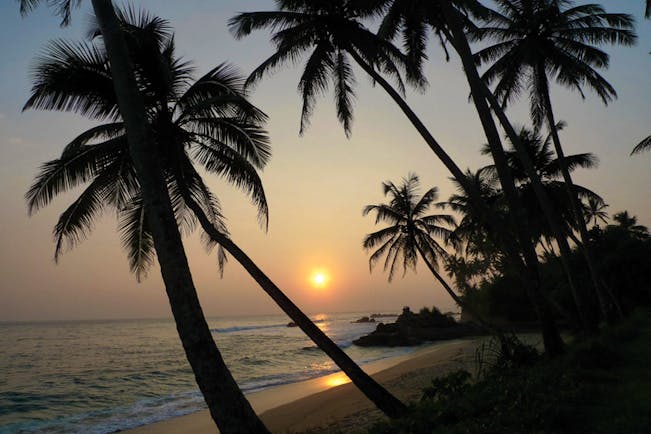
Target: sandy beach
{"type": "Point", "coordinates": [332, 403]}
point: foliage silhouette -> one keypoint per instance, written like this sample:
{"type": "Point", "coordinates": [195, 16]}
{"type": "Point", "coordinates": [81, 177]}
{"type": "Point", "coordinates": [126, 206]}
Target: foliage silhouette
{"type": "Point", "coordinates": [226, 402]}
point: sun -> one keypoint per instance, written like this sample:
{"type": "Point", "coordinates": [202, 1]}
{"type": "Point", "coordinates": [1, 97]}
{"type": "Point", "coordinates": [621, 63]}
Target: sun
{"type": "Point", "coordinates": [319, 279]}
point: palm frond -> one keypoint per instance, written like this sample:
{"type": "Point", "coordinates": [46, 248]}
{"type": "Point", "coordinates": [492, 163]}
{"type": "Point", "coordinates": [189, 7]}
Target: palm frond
{"type": "Point", "coordinates": [63, 8]}
{"type": "Point", "coordinates": [644, 145]}
{"type": "Point", "coordinates": [73, 77]}
{"type": "Point", "coordinates": [76, 222]}
{"type": "Point", "coordinates": [72, 169]}
{"type": "Point", "coordinates": [344, 94]}
{"type": "Point", "coordinates": [136, 237]}
{"type": "Point", "coordinates": [229, 164]}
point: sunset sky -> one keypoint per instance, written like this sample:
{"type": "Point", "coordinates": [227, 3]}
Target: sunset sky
{"type": "Point", "coordinates": [316, 185]}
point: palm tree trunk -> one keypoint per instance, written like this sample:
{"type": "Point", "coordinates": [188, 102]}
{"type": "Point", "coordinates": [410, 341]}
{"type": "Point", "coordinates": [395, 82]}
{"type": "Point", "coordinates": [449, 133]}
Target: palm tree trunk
{"type": "Point", "coordinates": [530, 279]}
{"type": "Point", "coordinates": [608, 309]}
{"type": "Point", "coordinates": [228, 406]}
{"type": "Point", "coordinates": [586, 318]}
{"type": "Point", "coordinates": [551, 336]}
{"type": "Point", "coordinates": [385, 401]}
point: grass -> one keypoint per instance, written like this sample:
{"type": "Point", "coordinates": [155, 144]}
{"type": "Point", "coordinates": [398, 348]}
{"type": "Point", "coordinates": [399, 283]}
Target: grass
{"type": "Point", "coordinates": [602, 385]}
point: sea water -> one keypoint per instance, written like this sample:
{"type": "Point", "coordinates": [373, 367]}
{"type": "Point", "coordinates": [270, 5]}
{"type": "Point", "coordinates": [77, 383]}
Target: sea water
{"type": "Point", "coordinates": [106, 376]}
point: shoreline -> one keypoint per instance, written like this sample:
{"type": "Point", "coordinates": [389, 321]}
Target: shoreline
{"type": "Point", "coordinates": [332, 401]}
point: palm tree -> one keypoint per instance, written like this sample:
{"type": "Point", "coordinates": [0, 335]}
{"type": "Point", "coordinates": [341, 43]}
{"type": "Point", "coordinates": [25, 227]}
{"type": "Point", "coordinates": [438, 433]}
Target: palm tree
{"type": "Point", "coordinates": [208, 121]}
{"type": "Point", "coordinates": [594, 211]}
{"type": "Point", "coordinates": [332, 31]}
{"type": "Point", "coordinates": [449, 20]}
{"type": "Point", "coordinates": [548, 170]}
{"type": "Point", "coordinates": [541, 39]}
{"type": "Point", "coordinates": [412, 233]}
{"type": "Point", "coordinates": [226, 402]}
{"type": "Point", "coordinates": [628, 223]}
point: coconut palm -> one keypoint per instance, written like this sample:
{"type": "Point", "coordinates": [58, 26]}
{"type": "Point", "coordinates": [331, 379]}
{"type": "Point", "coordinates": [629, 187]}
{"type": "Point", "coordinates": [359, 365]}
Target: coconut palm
{"type": "Point", "coordinates": [449, 20]}
{"type": "Point", "coordinates": [628, 223]}
{"type": "Point", "coordinates": [213, 122]}
{"type": "Point", "coordinates": [412, 233]}
{"type": "Point", "coordinates": [331, 31]}
{"type": "Point", "coordinates": [594, 211]}
{"type": "Point", "coordinates": [542, 40]}
{"type": "Point", "coordinates": [208, 122]}
{"type": "Point", "coordinates": [549, 172]}
{"type": "Point", "coordinates": [228, 406]}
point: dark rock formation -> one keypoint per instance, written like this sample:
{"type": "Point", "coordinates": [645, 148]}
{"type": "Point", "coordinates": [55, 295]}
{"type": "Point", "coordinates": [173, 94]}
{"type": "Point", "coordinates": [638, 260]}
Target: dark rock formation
{"type": "Point", "coordinates": [415, 328]}
{"type": "Point", "coordinates": [363, 319]}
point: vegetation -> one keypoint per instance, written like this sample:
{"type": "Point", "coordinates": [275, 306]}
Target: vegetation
{"type": "Point", "coordinates": [600, 386]}
{"type": "Point", "coordinates": [539, 39]}
{"type": "Point", "coordinates": [522, 249]}
{"type": "Point", "coordinates": [412, 234]}
{"type": "Point", "coordinates": [209, 121]}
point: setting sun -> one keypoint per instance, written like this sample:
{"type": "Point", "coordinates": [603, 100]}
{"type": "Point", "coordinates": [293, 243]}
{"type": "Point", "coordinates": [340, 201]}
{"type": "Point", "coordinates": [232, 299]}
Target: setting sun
{"type": "Point", "coordinates": [319, 279]}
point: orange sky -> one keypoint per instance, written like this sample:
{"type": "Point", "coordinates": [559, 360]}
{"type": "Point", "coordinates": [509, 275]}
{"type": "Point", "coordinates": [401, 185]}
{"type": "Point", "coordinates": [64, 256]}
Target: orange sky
{"type": "Point", "coordinates": [316, 184]}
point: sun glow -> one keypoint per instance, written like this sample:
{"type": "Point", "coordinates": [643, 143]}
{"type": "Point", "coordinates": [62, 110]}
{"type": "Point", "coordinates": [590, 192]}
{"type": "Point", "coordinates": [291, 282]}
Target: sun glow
{"type": "Point", "coordinates": [319, 279]}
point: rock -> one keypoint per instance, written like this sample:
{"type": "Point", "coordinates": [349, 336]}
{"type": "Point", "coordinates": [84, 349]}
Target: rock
{"type": "Point", "coordinates": [383, 315]}
{"type": "Point", "coordinates": [292, 324]}
{"type": "Point", "coordinates": [415, 328]}
{"type": "Point", "coordinates": [363, 319]}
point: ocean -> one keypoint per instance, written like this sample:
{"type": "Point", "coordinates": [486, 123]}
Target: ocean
{"type": "Point", "coordinates": [99, 377]}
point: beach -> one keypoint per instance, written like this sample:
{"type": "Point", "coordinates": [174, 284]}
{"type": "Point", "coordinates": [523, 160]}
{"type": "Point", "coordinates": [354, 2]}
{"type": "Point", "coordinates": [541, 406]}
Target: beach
{"type": "Point", "coordinates": [331, 403]}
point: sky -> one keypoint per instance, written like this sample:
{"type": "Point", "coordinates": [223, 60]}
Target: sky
{"type": "Point", "coordinates": [316, 184]}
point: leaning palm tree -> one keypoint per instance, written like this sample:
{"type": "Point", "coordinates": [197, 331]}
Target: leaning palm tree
{"type": "Point", "coordinates": [332, 32]}
{"type": "Point", "coordinates": [412, 233]}
{"type": "Point", "coordinates": [226, 402]}
{"type": "Point", "coordinates": [541, 40]}
{"type": "Point", "coordinates": [450, 20]}
{"type": "Point", "coordinates": [209, 122]}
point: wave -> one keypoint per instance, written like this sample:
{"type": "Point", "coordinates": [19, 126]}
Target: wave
{"type": "Point", "coordinates": [342, 345]}
{"type": "Point", "coordinates": [245, 328]}
{"type": "Point", "coordinates": [257, 327]}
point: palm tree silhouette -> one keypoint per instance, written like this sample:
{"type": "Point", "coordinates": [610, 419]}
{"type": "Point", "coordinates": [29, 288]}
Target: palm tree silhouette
{"type": "Point", "coordinates": [334, 30]}
{"type": "Point", "coordinates": [226, 402]}
{"type": "Point", "coordinates": [208, 122]}
{"type": "Point", "coordinates": [549, 172]}
{"type": "Point", "coordinates": [449, 20]}
{"type": "Point", "coordinates": [212, 123]}
{"type": "Point", "coordinates": [628, 223]}
{"type": "Point", "coordinates": [412, 233]}
{"type": "Point", "coordinates": [594, 211]}
{"type": "Point", "coordinates": [539, 39]}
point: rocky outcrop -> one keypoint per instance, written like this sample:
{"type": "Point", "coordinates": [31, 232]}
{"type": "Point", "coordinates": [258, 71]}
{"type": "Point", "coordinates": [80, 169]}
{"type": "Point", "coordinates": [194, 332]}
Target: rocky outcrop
{"type": "Point", "coordinates": [362, 320]}
{"type": "Point", "coordinates": [415, 328]}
